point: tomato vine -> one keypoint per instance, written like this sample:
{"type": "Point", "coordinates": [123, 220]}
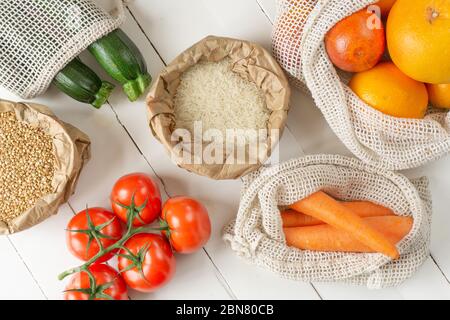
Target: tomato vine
{"type": "Point", "coordinates": [133, 212]}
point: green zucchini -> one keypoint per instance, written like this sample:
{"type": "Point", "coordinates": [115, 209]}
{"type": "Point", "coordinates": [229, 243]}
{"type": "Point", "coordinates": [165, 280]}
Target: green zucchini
{"type": "Point", "coordinates": [123, 61]}
{"type": "Point", "coordinates": [78, 81]}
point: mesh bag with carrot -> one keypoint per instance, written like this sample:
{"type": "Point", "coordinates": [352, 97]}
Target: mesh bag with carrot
{"type": "Point", "coordinates": [400, 132]}
{"type": "Point", "coordinates": [333, 219]}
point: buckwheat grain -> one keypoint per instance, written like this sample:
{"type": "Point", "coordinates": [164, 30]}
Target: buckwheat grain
{"type": "Point", "coordinates": [27, 166]}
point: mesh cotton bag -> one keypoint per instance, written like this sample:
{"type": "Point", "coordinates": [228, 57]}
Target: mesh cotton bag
{"type": "Point", "coordinates": [372, 136]}
{"type": "Point", "coordinates": [257, 233]}
{"type": "Point", "coordinates": [38, 38]}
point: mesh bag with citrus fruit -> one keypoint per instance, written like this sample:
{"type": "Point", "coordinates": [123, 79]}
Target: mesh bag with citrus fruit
{"type": "Point", "coordinates": [378, 70]}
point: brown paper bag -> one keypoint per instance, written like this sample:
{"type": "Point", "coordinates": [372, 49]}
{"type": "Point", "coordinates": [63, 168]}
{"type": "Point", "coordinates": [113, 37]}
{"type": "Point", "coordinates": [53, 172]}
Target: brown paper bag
{"type": "Point", "coordinates": [72, 149]}
{"type": "Point", "coordinates": [251, 62]}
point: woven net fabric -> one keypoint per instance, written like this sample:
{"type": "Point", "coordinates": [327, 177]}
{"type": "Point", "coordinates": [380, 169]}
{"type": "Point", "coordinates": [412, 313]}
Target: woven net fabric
{"type": "Point", "coordinates": [372, 136]}
{"type": "Point", "coordinates": [39, 37]}
{"type": "Point", "coordinates": [257, 233]}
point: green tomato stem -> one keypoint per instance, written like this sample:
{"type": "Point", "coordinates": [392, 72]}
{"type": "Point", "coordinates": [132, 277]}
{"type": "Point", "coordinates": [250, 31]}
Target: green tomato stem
{"type": "Point", "coordinates": [118, 245]}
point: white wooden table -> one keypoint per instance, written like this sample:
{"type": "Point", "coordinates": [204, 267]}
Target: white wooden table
{"type": "Point", "coordinates": [122, 143]}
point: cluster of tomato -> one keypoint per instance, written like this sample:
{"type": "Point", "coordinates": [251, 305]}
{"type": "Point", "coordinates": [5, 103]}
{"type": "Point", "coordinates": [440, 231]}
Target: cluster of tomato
{"type": "Point", "coordinates": [146, 260]}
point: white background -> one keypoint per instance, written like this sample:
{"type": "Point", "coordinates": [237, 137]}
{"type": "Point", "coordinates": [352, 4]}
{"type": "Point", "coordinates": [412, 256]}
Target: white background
{"type": "Point", "coordinates": [122, 143]}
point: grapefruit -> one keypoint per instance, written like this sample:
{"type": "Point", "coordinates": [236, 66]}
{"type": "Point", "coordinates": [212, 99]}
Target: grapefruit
{"type": "Point", "coordinates": [418, 37]}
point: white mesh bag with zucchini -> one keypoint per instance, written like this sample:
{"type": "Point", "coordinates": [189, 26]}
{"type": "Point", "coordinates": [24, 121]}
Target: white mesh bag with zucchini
{"type": "Point", "coordinates": [388, 104]}
{"type": "Point", "coordinates": [41, 41]}
{"type": "Point", "coordinates": [41, 158]}
{"type": "Point", "coordinates": [333, 219]}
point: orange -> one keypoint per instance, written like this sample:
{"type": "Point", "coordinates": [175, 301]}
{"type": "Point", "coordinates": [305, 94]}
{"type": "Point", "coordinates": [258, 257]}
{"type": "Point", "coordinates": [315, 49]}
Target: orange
{"type": "Point", "coordinates": [390, 91]}
{"type": "Point", "coordinates": [385, 6]}
{"type": "Point", "coordinates": [353, 45]}
{"type": "Point", "coordinates": [439, 95]}
{"type": "Point", "coordinates": [418, 37]}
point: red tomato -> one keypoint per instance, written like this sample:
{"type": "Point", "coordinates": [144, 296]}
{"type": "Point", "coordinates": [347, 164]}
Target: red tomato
{"type": "Point", "coordinates": [109, 285]}
{"type": "Point", "coordinates": [81, 240]}
{"type": "Point", "coordinates": [187, 222]}
{"type": "Point", "coordinates": [143, 188]}
{"type": "Point", "coordinates": [153, 262]}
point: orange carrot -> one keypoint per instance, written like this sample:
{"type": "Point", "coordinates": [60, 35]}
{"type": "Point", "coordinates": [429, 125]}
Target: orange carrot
{"type": "Point", "coordinates": [364, 209]}
{"type": "Point", "coordinates": [294, 219]}
{"type": "Point", "coordinates": [329, 239]}
{"type": "Point", "coordinates": [367, 209]}
{"type": "Point", "coordinates": [323, 207]}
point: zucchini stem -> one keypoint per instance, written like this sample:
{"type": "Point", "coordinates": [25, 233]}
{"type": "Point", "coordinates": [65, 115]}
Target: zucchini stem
{"type": "Point", "coordinates": [103, 94]}
{"type": "Point", "coordinates": [135, 88]}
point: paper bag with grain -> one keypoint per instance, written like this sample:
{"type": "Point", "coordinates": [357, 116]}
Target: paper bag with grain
{"type": "Point", "coordinates": [248, 62]}
{"type": "Point", "coordinates": [63, 157]}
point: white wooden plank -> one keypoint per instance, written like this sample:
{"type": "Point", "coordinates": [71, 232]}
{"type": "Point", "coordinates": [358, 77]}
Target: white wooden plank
{"type": "Point", "coordinates": [332, 291]}
{"type": "Point", "coordinates": [189, 282]}
{"type": "Point", "coordinates": [314, 134]}
{"type": "Point", "coordinates": [427, 284]}
{"type": "Point", "coordinates": [439, 172]}
{"type": "Point", "coordinates": [310, 129]}
{"type": "Point", "coordinates": [43, 249]}
{"type": "Point", "coordinates": [269, 7]}
{"type": "Point", "coordinates": [221, 198]}
{"type": "Point", "coordinates": [174, 32]}
{"type": "Point", "coordinates": [16, 282]}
